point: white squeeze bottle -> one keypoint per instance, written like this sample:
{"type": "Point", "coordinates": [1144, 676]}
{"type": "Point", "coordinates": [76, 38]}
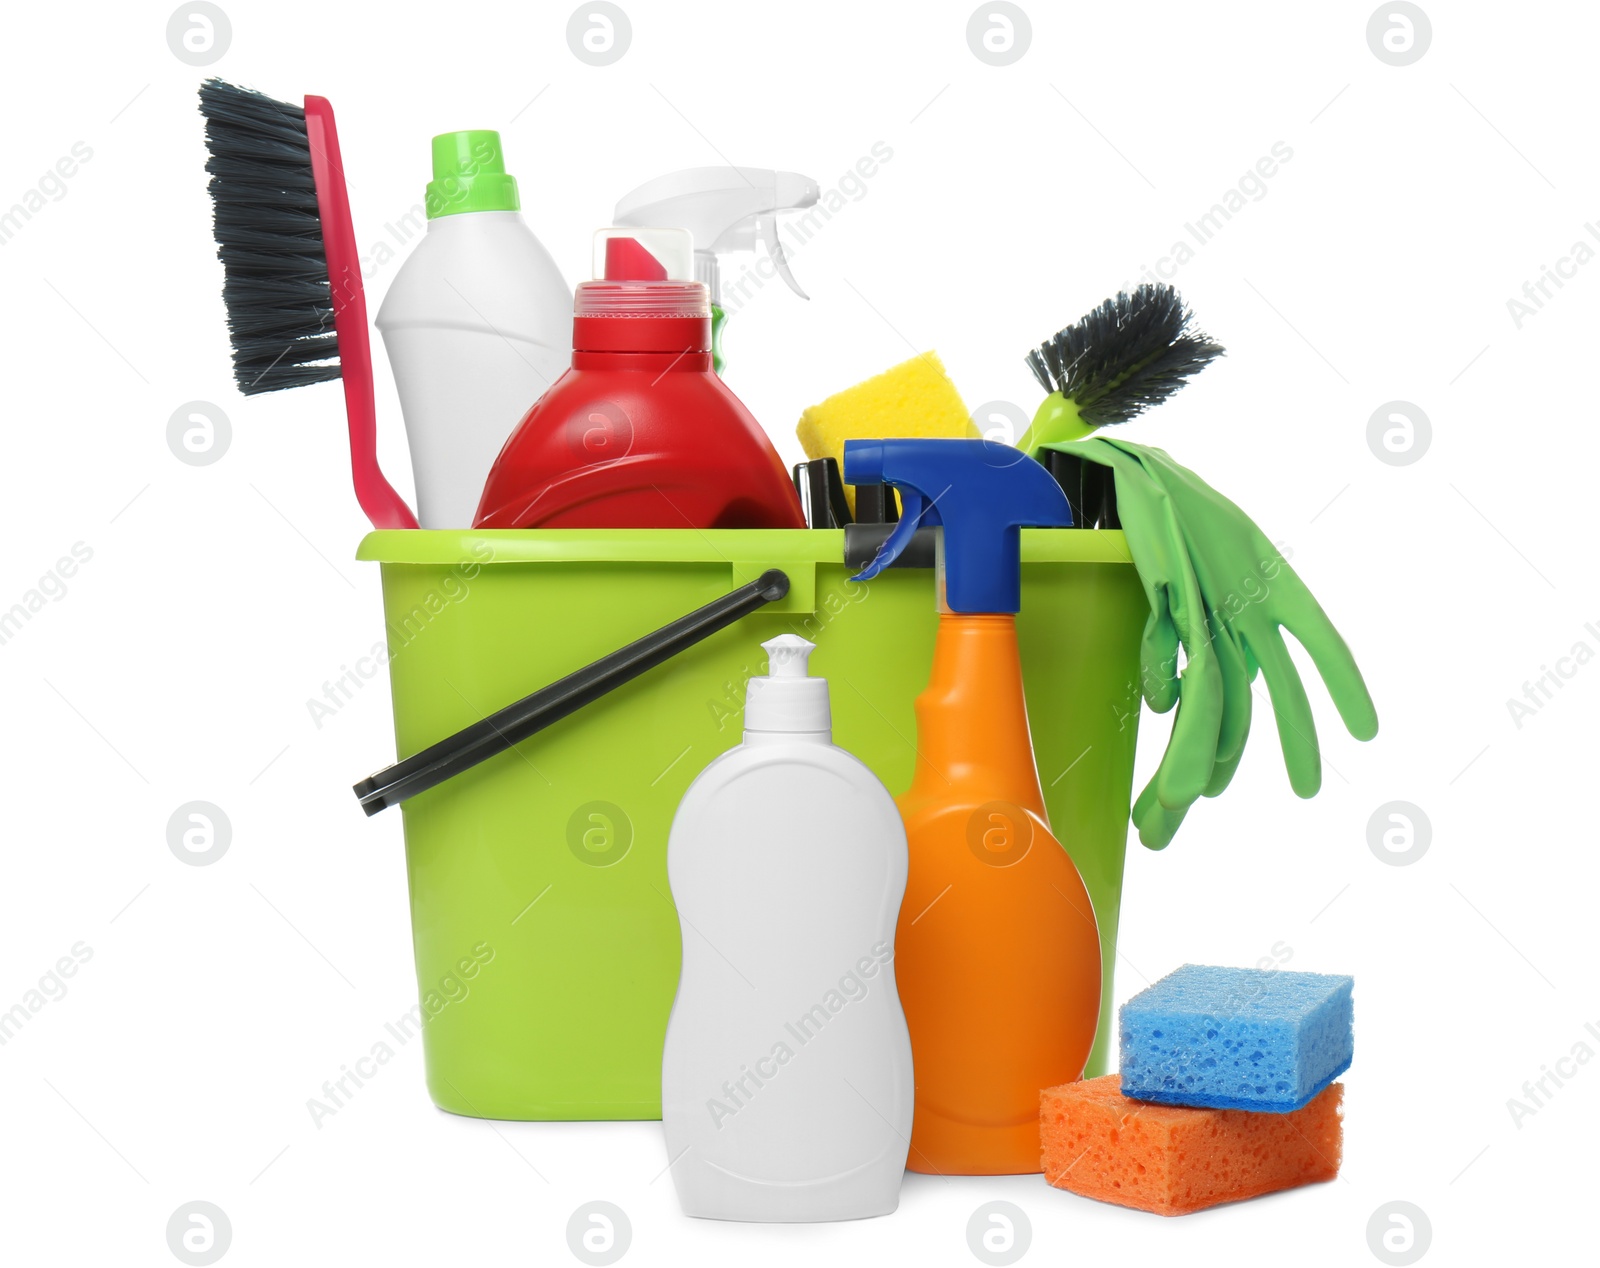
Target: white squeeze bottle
{"type": "Point", "coordinates": [786, 1088]}
{"type": "Point", "coordinates": [477, 324]}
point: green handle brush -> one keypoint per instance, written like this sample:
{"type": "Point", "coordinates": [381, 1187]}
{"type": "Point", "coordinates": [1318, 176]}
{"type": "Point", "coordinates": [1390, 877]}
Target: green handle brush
{"type": "Point", "coordinates": [1130, 353]}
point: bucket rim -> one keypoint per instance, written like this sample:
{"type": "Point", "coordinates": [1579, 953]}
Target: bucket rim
{"type": "Point", "coordinates": [686, 545]}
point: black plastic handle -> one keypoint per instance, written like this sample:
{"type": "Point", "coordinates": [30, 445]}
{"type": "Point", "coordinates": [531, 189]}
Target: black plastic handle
{"type": "Point", "coordinates": [516, 722]}
{"type": "Point", "coordinates": [1091, 489]}
{"type": "Point", "coordinates": [821, 493]}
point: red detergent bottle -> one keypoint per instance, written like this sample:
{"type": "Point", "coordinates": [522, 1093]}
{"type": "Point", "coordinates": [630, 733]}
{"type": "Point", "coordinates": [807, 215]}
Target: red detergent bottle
{"type": "Point", "coordinates": [640, 432]}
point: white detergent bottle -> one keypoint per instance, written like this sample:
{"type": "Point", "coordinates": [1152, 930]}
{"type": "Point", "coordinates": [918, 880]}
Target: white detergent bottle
{"type": "Point", "coordinates": [477, 324]}
{"type": "Point", "coordinates": [786, 1088]}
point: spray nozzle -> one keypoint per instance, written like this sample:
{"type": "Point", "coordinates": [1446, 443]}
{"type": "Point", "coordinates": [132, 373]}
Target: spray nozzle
{"type": "Point", "coordinates": [725, 209]}
{"type": "Point", "coordinates": [980, 494]}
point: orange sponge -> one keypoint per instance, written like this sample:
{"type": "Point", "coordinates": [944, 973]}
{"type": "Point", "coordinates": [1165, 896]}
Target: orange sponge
{"type": "Point", "coordinates": [1173, 1159]}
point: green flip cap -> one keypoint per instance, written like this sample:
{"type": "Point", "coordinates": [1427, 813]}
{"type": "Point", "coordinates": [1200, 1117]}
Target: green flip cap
{"type": "Point", "coordinates": [469, 174]}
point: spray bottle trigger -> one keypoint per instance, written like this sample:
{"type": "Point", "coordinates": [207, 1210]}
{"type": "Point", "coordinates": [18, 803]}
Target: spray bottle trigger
{"type": "Point", "coordinates": [913, 507]}
{"type": "Point", "coordinates": [768, 225]}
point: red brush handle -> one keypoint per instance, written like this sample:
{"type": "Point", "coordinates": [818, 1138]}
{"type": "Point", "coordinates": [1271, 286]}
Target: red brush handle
{"type": "Point", "coordinates": [384, 507]}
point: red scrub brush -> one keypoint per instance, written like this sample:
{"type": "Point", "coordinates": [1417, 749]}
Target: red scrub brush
{"type": "Point", "coordinates": [297, 311]}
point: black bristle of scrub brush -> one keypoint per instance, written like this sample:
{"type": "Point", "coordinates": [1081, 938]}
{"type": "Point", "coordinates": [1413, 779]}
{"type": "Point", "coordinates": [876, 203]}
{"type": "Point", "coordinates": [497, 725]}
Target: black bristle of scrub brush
{"type": "Point", "coordinates": [269, 239]}
{"type": "Point", "coordinates": [1130, 353]}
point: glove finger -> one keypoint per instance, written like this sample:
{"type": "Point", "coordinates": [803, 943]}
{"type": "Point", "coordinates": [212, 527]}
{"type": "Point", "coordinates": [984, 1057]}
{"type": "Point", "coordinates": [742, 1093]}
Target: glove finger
{"type": "Point", "coordinates": [1185, 768]}
{"type": "Point", "coordinates": [1158, 656]}
{"type": "Point", "coordinates": [1156, 823]}
{"type": "Point", "coordinates": [1192, 747]}
{"type": "Point", "coordinates": [1297, 732]}
{"type": "Point", "coordinates": [1238, 701]}
{"type": "Point", "coordinates": [1222, 773]}
{"type": "Point", "coordinates": [1331, 655]}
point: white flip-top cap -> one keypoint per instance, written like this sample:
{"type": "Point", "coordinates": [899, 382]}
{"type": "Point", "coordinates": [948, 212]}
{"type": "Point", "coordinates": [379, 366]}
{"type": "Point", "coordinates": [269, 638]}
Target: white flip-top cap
{"type": "Point", "coordinates": [788, 698]}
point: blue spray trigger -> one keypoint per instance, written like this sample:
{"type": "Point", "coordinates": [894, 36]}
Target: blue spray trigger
{"type": "Point", "coordinates": [981, 493]}
{"type": "Point", "coordinates": [912, 511]}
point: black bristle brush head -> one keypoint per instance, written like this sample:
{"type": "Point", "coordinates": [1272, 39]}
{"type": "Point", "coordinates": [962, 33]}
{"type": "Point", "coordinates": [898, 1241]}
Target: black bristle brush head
{"type": "Point", "coordinates": [269, 239]}
{"type": "Point", "coordinates": [1130, 353]}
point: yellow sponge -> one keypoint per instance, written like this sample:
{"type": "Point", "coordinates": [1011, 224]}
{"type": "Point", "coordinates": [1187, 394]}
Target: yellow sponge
{"type": "Point", "coordinates": [915, 398]}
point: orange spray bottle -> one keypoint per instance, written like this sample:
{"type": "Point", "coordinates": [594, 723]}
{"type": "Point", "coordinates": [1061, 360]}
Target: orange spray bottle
{"type": "Point", "coordinates": [997, 953]}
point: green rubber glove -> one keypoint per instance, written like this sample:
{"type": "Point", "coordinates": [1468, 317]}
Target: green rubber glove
{"type": "Point", "coordinates": [1177, 618]}
{"type": "Point", "coordinates": [1248, 593]}
{"type": "Point", "coordinates": [1253, 594]}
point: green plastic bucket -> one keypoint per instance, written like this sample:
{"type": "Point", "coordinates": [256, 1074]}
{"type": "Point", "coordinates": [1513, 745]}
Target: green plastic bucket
{"type": "Point", "coordinates": [546, 943]}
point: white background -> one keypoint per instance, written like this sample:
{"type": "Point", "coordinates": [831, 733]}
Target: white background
{"type": "Point", "coordinates": [178, 662]}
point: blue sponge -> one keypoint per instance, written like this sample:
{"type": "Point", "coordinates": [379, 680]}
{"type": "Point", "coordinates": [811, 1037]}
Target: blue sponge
{"type": "Point", "coordinates": [1250, 1039]}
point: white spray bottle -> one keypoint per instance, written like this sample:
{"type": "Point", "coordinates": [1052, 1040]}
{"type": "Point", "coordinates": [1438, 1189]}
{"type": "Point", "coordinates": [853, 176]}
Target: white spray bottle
{"type": "Point", "coordinates": [477, 324]}
{"type": "Point", "coordinates": [786, 1083]}
{"type": "Point", "coordinates": [725, 209]}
